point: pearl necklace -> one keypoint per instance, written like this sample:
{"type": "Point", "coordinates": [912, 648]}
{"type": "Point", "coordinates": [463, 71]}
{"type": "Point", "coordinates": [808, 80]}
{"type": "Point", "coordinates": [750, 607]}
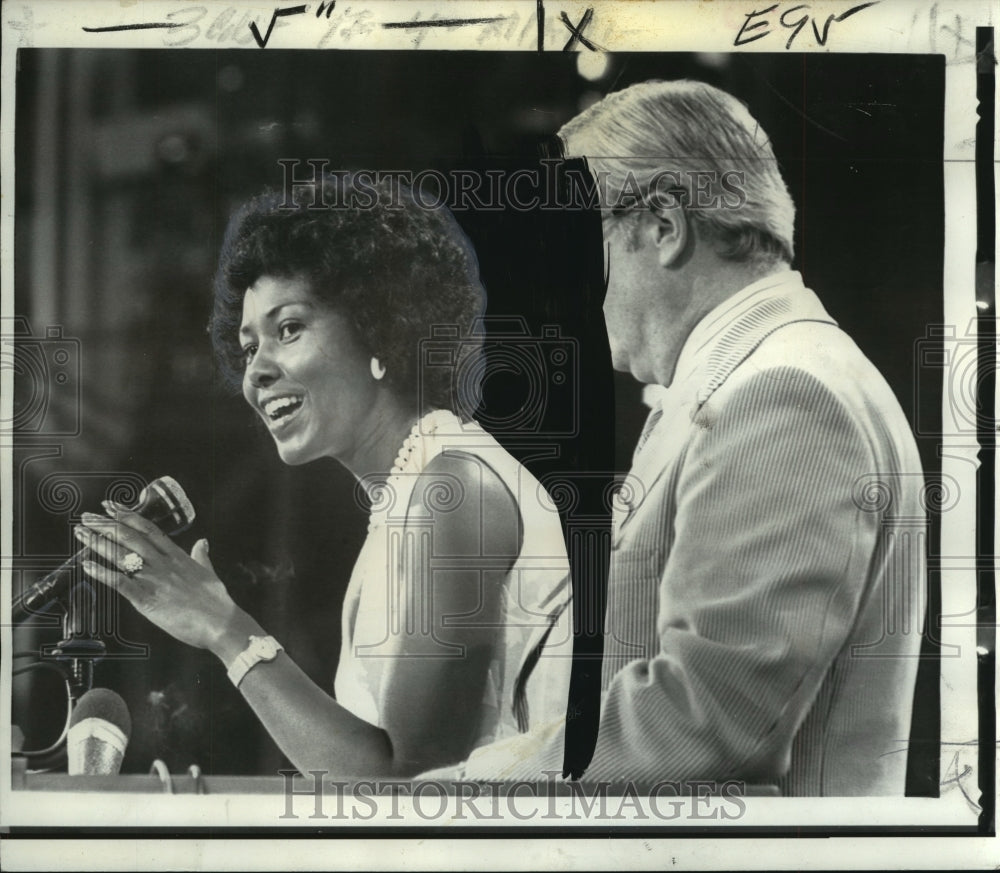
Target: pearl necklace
{"type": "Point", "coordinates": [410, 460]}
{"type": "Point", "coordinates": [405, 453]}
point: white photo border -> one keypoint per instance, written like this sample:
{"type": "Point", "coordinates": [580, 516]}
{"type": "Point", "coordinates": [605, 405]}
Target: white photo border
{"type": "Point", "coordinates": [889, 26]}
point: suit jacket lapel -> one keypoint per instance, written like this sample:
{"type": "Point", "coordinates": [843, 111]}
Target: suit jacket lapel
{"type": "Point", "coordinates": [718, 345]}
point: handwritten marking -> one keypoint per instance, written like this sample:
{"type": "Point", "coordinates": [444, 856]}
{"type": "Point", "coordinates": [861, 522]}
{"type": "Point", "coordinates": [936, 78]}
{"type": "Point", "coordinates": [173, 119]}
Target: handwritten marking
{"type": "Point", "coordinates": [958, 778]}
{"type": "Point", "coordinates": [746, 32]}
{"type": "Point", "coordinates": [278, 13]}
{"type": "Point", "coordinates": [747, 27]}
{"type": "Point", "coordinates": [937, 34]}
{"type": "Point", "coordinates": [956, 32]}
{"type": "Point", "coordinates": [150, 25]}
{"type": "Point", "coordinates": [441, 22]}
{"type": "Point", "coordinates": [25, 27]}
{"type": "Point", "coordinates": [189, 27]}
{"type": "Point", "coordinates": [327, 6]}
{"type": "Point", "coordinates": [500, 31]}
{"type": "Point", "coordinates": [540, 22]}
{"type": "Point", "coordinates": [226, 27]}
{"type": "Point", "coordinates": [577, 32]}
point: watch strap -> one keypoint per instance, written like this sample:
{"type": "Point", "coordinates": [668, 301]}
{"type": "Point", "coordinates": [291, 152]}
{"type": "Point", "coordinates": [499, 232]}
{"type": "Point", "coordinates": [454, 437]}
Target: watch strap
{"type": "Point", "coordinates": [251, 656]}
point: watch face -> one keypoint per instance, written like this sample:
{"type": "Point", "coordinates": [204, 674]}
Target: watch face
{"type": "Point", "coordinates": [262, 647]}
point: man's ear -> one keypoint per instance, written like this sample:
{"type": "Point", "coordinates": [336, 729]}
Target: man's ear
{"type": "Point", "coordinates": [670, 230]}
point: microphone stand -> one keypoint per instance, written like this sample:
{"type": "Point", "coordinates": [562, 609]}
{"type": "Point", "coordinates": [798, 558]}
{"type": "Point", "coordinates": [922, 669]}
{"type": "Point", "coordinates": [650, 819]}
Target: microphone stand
{"type": "Point", "coordinates": [81, 646]}
{"type": "Point", "coordinates": [73, 657]}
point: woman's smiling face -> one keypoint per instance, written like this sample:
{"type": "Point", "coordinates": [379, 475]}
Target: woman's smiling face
{"type": "Point", "coordinates": [307, 375]}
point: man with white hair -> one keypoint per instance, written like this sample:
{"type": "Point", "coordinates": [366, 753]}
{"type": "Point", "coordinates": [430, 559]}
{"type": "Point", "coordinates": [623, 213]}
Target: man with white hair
{"type": "Point", "coordinates": [766, 588]}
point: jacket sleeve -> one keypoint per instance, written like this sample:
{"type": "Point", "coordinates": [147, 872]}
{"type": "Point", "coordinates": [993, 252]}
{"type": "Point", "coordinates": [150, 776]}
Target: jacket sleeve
{"type": "Point", "coordinates": [767, 565]}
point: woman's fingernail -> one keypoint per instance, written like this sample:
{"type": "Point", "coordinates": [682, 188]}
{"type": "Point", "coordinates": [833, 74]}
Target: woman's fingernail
{"type": "Point", "coordinates": [93, 517]}
{"type": "Point", "coordinates": [109, 507]}
{"type": "Point", "coordinates": [80, 532]}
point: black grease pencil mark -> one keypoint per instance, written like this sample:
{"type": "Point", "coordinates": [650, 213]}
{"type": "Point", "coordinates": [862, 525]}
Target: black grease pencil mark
{"type": "Point", "coordinates": [577, 31]}
{"type": "Point", "coordinates": [150, 25]}
{"type": "Point", "coordinates": [441, 22]}
{"type": "Point", "coordinates": [850, 12]}
{"type": "Point", "coordinates": [540, 18]}
{"type": "Point", "coordinates": [958, 777]}
{"type": "Point", "coordinates": [278, 13]}
{"type": "Point", "coordinates": [822, 38]}
{"type": "Point", "coordinates": [325, 6]}
{"type": "Point", "coordinates": [741, 38]}
{"type": "Point", "coordinates": [746, 32]}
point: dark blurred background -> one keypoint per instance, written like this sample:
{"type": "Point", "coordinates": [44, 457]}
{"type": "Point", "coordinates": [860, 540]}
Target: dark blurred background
{"type": "Point", "coordinates": [128, 166]}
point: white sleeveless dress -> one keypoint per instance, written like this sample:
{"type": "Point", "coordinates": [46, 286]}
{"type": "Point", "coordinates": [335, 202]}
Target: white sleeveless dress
{"type": "Point", "coordinates": [537, 634]}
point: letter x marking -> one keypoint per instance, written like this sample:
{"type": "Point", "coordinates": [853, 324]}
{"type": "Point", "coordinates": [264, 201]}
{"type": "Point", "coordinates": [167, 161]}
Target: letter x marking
{"type": "Point", "coordinates": [577, 31]}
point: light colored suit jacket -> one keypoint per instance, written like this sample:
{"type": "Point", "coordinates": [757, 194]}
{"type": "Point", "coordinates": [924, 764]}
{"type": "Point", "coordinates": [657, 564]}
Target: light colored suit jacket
{"type": "Point", "coordinates": [766, 594]}
{"type": "Point", "coordinates": [767, 583]}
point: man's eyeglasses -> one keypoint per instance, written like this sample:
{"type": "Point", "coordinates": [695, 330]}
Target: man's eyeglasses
{"type": "Point", "coordinates": [631, 203]}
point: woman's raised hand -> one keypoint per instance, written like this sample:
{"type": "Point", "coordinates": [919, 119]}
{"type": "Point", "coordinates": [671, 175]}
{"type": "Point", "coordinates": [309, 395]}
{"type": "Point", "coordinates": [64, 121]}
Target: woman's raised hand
{"type": "Point", "coordinates": [179, 593]}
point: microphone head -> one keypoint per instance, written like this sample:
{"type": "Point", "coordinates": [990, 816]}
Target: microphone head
{"type": "Point", "coordinates": [106, 705]}
{"type": "Point", "coordinates": [99, 731]}
{"type": "Point", "coordinates": [164, 502]}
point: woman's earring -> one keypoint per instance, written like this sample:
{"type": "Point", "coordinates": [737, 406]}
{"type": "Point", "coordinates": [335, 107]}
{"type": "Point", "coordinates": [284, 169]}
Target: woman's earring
{"type": "Point", "coordinates": [378, 371]}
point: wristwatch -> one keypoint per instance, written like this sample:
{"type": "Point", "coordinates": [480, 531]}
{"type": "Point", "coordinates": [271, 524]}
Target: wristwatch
{"type": "Point", "coordinates": [259, 649]}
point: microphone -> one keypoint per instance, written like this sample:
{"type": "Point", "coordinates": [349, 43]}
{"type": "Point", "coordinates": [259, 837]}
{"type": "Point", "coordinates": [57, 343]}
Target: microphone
{"type": "Point", "coordinates": [99, 731]}
{"type": "Point", "coordinates": [162, 502]}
